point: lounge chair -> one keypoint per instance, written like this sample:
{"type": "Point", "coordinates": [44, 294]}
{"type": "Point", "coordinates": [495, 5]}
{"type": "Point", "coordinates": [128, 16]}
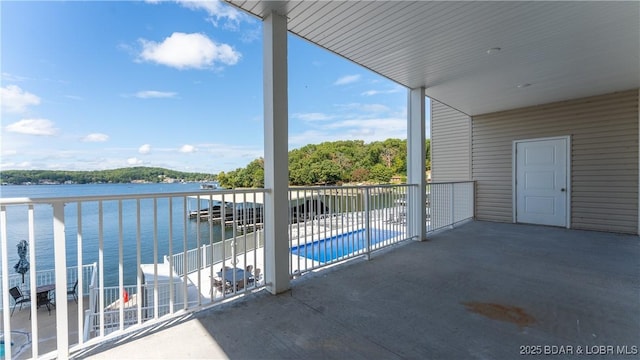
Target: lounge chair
{"type": "Point", "coordinates": [18, 298]}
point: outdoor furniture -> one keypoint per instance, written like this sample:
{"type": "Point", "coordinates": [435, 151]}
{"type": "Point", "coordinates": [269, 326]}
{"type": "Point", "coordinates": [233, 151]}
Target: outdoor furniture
{"type": "Point", "coordinates": [223, 287]}
{"type": "Point", "coordinates": [18, 298]}
{"type": "Point", "coordinates": [42, 296]}
{"type": "Point", "coordinates": [73, 291]}
{"type": "Point", "coordinates": [240, 276]}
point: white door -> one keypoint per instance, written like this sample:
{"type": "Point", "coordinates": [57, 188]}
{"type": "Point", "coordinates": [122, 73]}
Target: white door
{"type": "Point", "coordinates": [541, 182]}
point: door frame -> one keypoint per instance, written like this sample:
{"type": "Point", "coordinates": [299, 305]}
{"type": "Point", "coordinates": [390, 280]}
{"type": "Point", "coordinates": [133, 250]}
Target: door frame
{"type": "Point", "coordinates": [514, 161]}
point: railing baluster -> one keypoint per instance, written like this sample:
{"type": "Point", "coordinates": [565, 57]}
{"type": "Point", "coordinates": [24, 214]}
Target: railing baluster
{"type": "Point", "coordinates": [120, 266]}
{"type": "Point", "coordinates": [60, 254]}
{"type": "Point", "coordinates": [80, 270]}
{"type": "Point", "coordinates": [101, 266]}
{"type": "Point", "coordinates": [170, 257]}
{"type": "Point", "coordinates": [33, 280]}
{"type": "Point", "coordinates": [367, 227]}
{"type": "Point", "coordinates": [139, 295]}
{"type": "Point", "coordinates": [156, 295]}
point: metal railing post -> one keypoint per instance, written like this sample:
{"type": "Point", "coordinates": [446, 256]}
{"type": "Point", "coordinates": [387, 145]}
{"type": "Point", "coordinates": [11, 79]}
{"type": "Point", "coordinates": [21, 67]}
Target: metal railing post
{"type": "Point", "coordinates": [451, 200]}
{"type": "Point", "coordinates": [60, 255]}
{"type": "Point", "coordinates": [367, 225]}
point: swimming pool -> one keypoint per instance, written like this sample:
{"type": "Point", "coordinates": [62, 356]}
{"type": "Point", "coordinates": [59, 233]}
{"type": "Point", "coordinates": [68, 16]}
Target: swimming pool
{"type": "Point", "coordinates": [338, 246]}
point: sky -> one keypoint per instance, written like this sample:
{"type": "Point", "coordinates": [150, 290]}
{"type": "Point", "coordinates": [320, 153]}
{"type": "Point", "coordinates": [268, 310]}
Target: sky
{"type": "Point", "coordinates": [92, 85]}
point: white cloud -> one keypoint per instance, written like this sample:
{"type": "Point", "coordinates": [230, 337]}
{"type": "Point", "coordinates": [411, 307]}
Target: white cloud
{"type": "Point", "coordinates": [41, 127]}
{"type": "Point", "coordinates": [187, 149]}
{"type": "Point", "coordinates": [144, 149]}
{"type": "Point", "coordinates": [12, 78]}
{"type": "Point", "coordinates": [312, 116]}
{"type": "Point", "coordinates": [16, 100]}
{"type": "Point", "coordinates": [184, 51]}
{"type": "Point", "coordinates": [368, 130]}
{"type": "Point", "coordinates": [347, 79]}
{"type": "Point", "coordinates": [388, 125]}
{"type": "Point", "coordinates": [13, 165]}
{"type": "Point", "coordinates": [368, 108]}
{"type": "Point", "coordinates": [217, 11]}
{"type": "Point", "coordinates": [96, 137]}
{"type": "Point", "coordinates": [370, 93]}
{"type": "Point", "coordinates": [152, 94]}
{"type": "Point", "coordinates": [251, 35]}
{"type": "Point", "coordinates": [134, 161]}
{"type": "Point", "coordinates": [377, 92]}
{"type": "Point", "coordinates": [74, 97]}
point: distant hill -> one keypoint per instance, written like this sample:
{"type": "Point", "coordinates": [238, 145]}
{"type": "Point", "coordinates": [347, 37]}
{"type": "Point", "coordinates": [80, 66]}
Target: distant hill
{"type": "Point", "coordinates": [123, 175]}
{"type": "Point", "coordinates": [333, 163]}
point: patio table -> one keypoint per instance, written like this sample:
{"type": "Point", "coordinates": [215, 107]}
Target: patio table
{"type": "Point", "coordinates": [42, 296]}
{"type": "Point", "coordinates": [240, 276]}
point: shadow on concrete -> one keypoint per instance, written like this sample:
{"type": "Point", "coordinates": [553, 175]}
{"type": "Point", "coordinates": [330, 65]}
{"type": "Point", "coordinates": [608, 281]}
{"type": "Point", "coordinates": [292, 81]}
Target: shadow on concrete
{"type": "Point", "coordinates": [482, 290]}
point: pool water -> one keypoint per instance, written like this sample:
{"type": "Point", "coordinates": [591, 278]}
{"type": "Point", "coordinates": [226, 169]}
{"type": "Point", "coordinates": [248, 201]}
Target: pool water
{"type": "Point", "coordinates": [338, 246]}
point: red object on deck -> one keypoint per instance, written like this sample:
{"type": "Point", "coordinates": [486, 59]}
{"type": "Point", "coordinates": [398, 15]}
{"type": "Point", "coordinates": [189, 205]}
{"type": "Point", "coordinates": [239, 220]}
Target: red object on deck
{"type": "Point", "coordinates": [125, 296]}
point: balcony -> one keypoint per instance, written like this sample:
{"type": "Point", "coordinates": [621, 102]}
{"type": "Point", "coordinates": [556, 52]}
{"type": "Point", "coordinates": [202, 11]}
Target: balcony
{"type": "Point", "coordinates": [155, 257]}
{"type": "Point", "coordinates": [481, 290]}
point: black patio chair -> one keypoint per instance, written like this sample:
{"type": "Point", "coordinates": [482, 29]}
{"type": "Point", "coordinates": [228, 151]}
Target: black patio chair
{"type": "Point", "coordinates": [73, 291]}
{"type": "Point", "coordinates": [18, 298]}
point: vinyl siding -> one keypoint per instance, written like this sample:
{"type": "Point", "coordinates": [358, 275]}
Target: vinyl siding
{"type": "Point", "coordinates": [604, 158]}
{"type": "Point", "coordinates": [450, 144]}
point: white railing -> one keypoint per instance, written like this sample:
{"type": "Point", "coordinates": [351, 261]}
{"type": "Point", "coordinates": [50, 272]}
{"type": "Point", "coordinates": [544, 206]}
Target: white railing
{"type": "Point", "coordinates": [126, 236]}
{"type": "Point", "coordinates": [211, 254]}
{"type": "Point", "coordinates": [332, 224]}
{"type": "Point", "coordinates": [153, 258]}
{"type": "Point", "coordinates": [45, 277]}
{"type": "Point", "coordinates": [449, 203]}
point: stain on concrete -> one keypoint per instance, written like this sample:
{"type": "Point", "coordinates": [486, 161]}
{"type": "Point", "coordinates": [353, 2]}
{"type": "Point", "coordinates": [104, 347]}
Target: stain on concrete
{"type": "Point", "coordinates": [512, 314]}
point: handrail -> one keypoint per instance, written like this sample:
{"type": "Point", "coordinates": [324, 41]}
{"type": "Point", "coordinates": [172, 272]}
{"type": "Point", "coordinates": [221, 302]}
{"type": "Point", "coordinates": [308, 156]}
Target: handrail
{"type": "Point", "coordinates": [326, 225]}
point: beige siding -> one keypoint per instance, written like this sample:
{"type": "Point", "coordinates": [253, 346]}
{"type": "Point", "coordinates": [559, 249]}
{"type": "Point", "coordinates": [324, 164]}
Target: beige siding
{"type": "Point", "coordinates": [450, 144]}
{"type": "Point", "coordinates": [604, 158]}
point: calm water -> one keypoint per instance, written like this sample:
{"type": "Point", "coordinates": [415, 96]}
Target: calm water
{"type": "Point", "coordinates": [158, 235]}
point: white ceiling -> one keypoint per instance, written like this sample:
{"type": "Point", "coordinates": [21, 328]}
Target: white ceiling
{"type": "Point", "coordinates": [565, 50]}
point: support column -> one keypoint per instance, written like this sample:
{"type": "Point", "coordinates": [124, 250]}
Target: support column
{"type": "Point", "coordinates": [276, 162]}
{"type": "Point", "coordinates": [416, 170]}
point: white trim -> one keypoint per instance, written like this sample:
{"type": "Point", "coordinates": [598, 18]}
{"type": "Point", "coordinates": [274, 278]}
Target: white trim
{"type": "Point", "coordinates": [514, 194]}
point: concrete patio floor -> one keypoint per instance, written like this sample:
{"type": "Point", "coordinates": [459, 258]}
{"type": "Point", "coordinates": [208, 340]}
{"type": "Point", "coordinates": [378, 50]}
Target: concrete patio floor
{"type": "Point", "coordinates": [480, 291]}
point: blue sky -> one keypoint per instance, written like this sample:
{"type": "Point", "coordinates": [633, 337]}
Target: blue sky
{"type": "Point", "coordinates": [174, 84]}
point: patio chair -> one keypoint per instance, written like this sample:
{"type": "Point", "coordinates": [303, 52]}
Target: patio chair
{"type": "Point", "coordinates": [224, 287]}
{"type": "Point", "coordinates": [73, 290]}
{"type": "Point", "coordinates": [18, 298]}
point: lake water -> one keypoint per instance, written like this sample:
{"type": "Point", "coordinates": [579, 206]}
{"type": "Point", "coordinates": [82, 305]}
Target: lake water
{"type": "Point", "coordinates": [173, 224]}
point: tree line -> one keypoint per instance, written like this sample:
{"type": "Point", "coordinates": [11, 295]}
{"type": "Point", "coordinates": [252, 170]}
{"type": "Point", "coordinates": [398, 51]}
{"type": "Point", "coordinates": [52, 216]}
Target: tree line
{"type": "Point", "coordinates": [333, 163]}
{"type": "Point", "coordinates": [123, 175]}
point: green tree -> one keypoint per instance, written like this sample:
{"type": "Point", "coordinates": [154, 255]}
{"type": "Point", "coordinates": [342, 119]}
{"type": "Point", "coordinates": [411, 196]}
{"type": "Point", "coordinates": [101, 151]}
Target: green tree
{"type": "Point", "coordinates": [381, 173]}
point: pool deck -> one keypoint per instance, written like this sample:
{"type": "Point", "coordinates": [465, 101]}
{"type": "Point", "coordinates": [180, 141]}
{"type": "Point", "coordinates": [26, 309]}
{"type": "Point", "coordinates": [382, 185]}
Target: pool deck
{"type": "Point", "coordinates": [21, 329]}
{"type": "Point", "coordinates": [480, 291]}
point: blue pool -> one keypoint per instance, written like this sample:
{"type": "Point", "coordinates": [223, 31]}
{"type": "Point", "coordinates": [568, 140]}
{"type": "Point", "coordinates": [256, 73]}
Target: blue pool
{"type": "Point", "coordinates": [329, 249]}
